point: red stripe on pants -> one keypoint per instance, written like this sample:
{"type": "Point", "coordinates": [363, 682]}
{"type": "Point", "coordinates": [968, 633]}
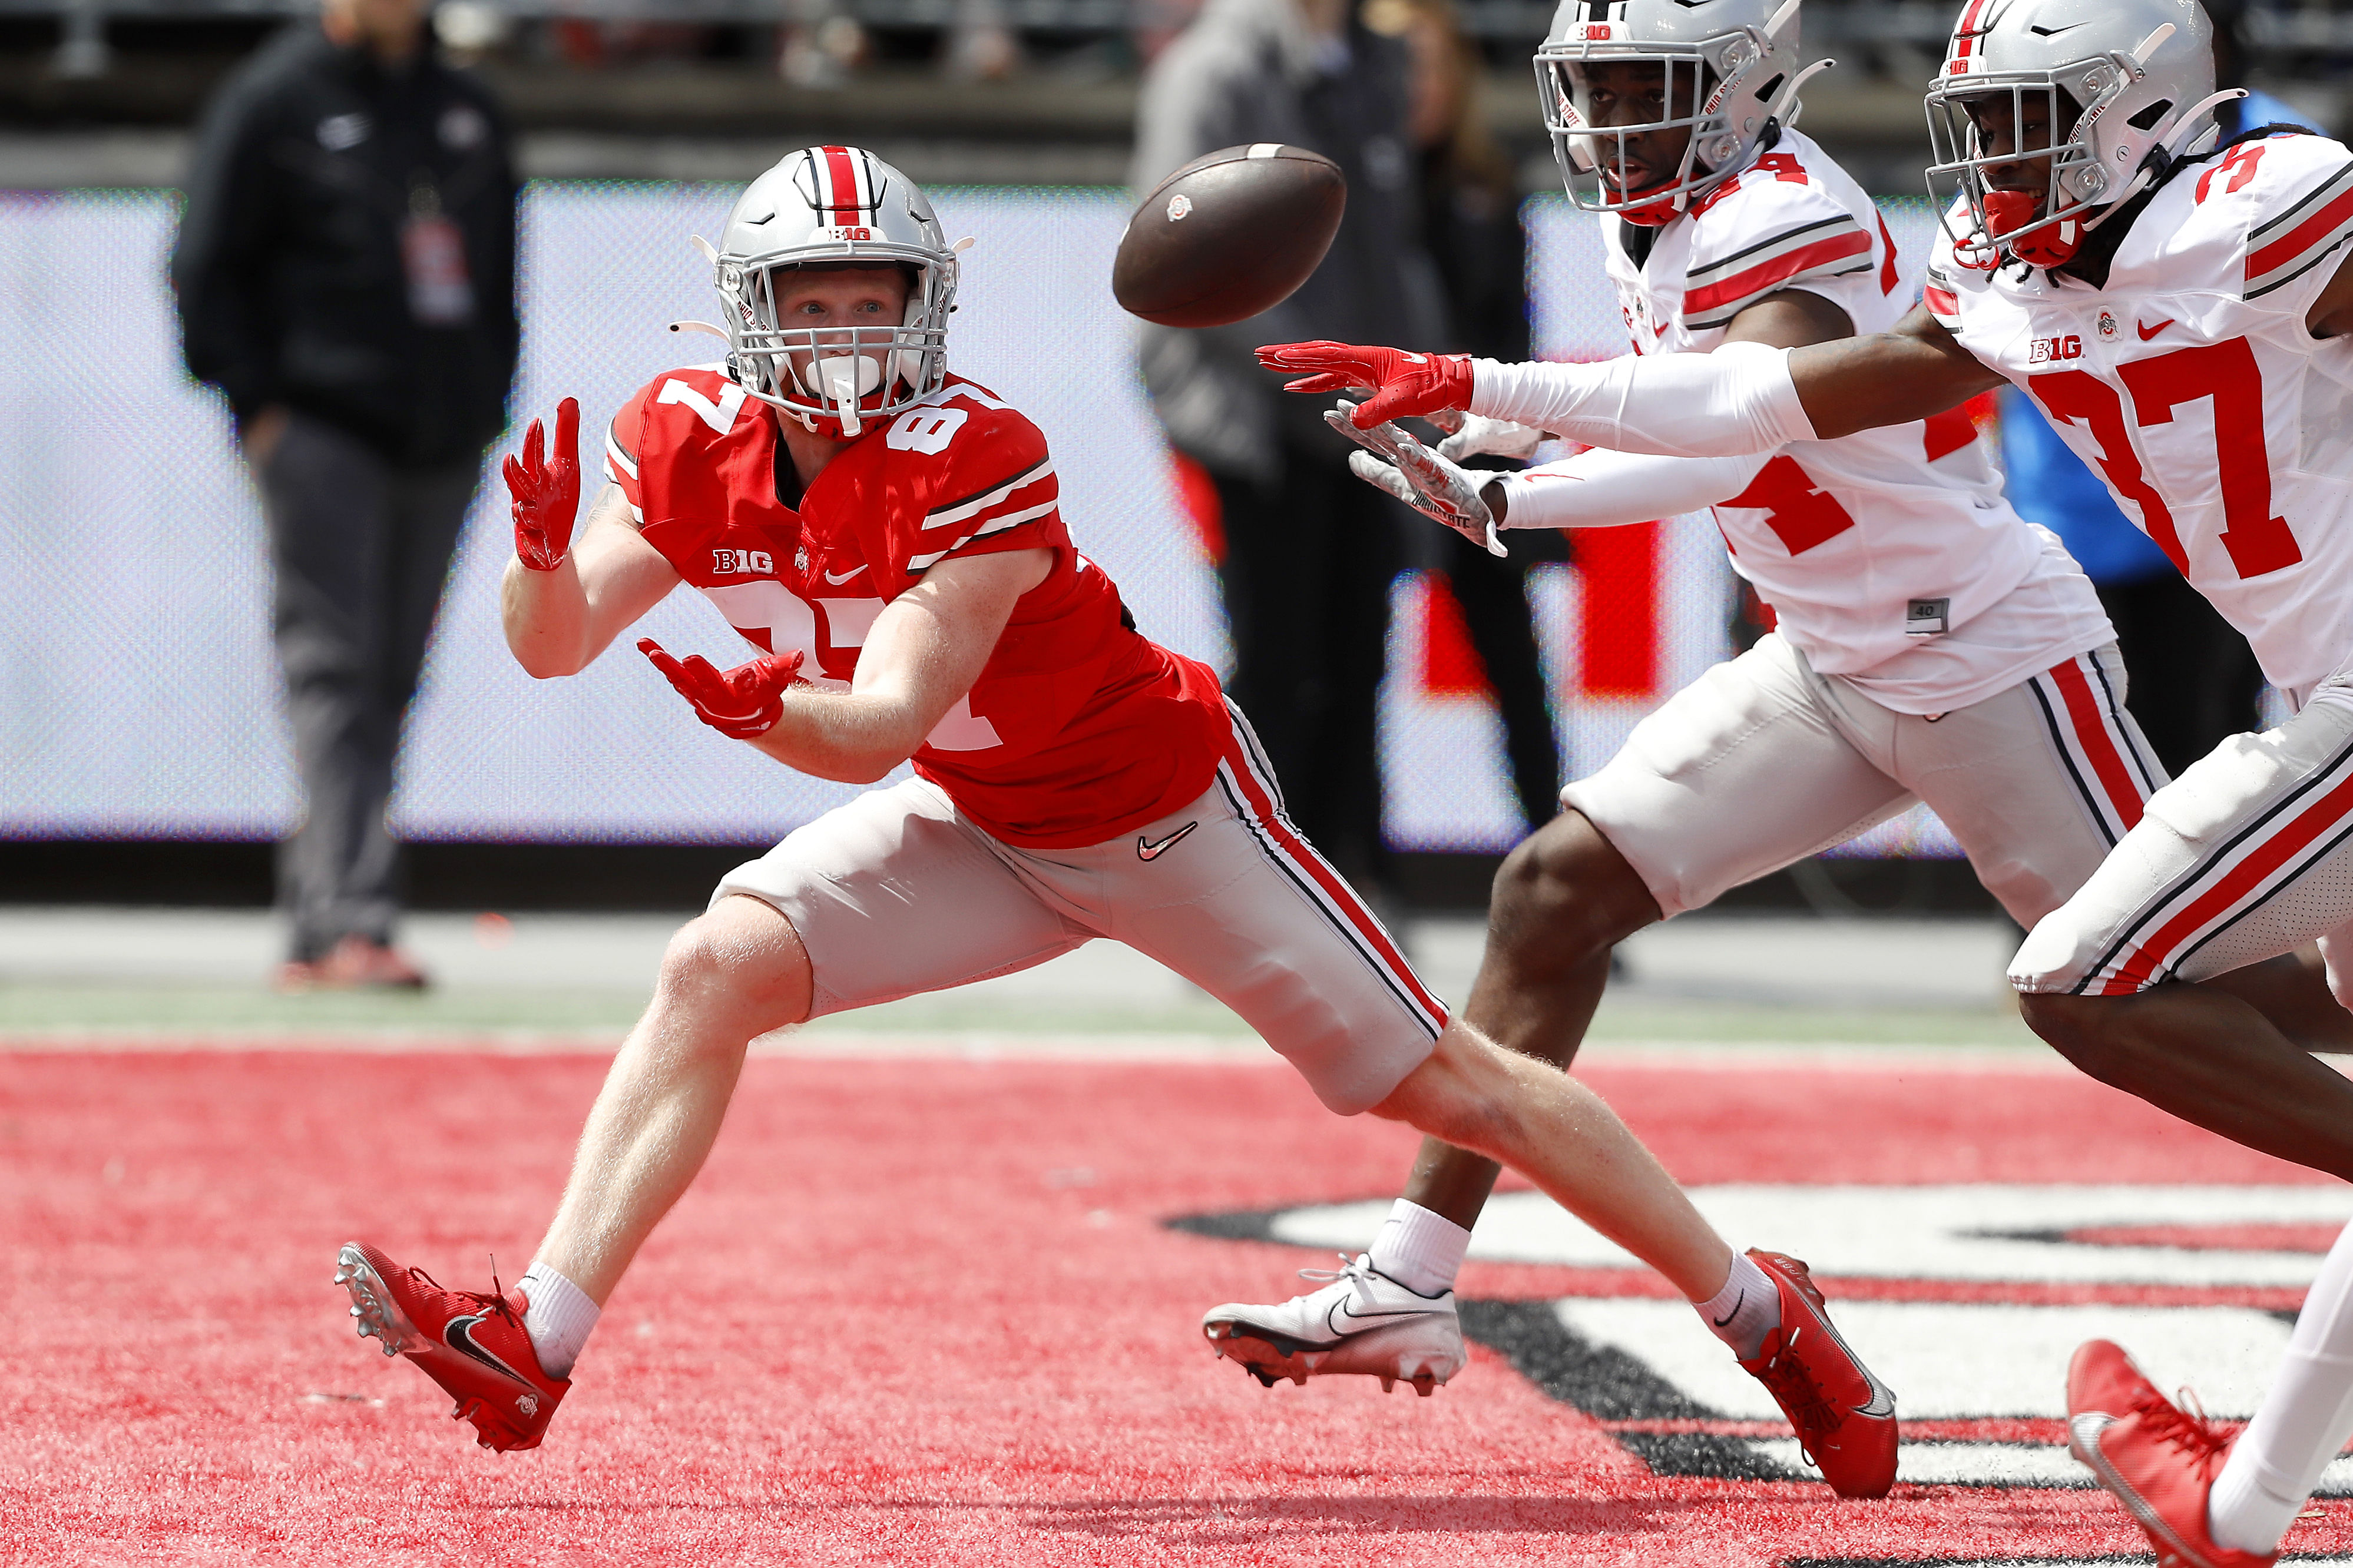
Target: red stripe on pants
{"type": "Point", "coordinates": [2099, 745]}
{"type": "Point", "coordinates": [2261, 862]}
{"type": "Point", "coordinates": [1300, 855]}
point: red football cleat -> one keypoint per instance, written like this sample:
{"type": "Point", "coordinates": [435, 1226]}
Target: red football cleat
{"type": "Point", "coordinates": [472, 1344]}
{"type": "Point", "coordinates": [2160, 1461]}
{"type": "Point", "coordinates": [1845, 1417]}
{"type": "Point", "coordinates": [2103, 1381]}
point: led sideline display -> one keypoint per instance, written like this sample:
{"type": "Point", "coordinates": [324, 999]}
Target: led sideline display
{"type": "Point", "coordinates": [138, 698]}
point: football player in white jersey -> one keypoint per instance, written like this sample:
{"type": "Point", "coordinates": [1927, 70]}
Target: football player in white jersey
{"type": "Point", "coordinates": [1931, 645]}
{"type": "Point", "coordinates": [2181, 308]}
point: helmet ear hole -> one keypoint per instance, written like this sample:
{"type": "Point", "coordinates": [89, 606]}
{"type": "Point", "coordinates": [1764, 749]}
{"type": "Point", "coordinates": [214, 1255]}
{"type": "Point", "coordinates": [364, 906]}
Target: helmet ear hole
{"type": "Point", "coordinates": [2147, 118]}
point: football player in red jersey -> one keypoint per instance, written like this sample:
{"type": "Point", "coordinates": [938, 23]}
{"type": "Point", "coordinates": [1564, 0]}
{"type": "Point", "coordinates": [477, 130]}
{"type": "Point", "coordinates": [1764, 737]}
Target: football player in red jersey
{"type": "Point", "coordinates": [887, 535]}
{"type": "Point", "coordinates": [2181, 307]}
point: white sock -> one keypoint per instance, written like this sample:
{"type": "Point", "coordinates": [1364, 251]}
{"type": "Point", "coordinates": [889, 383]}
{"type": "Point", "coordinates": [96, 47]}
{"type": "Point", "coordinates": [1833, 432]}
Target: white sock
{"type": "Point", "coordinates": [1747, 1309]}
{"type": "Point", "coordinates": [558, 1316]}
{"type": "Point", "coordinates": [1420, 1249]}
{"type": "Point", "coordinates": [2302, 1423]}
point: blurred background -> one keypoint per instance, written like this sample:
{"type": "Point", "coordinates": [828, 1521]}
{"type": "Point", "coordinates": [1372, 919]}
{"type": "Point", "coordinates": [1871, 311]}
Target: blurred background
{"type": "Point", "coordinates": [145, 752]}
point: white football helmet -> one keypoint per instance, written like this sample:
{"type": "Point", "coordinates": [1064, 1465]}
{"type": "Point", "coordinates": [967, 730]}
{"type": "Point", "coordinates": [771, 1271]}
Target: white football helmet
{"type": "Point", "coordinates": [827, 206]}
{"type": "Point", "coordinates": [1731, 65]}
{"type": "Point", "coordinates": [2129, 83]}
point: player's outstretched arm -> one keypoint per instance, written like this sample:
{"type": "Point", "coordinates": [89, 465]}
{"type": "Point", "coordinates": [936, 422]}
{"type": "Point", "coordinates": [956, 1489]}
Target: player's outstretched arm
{"type": "Point", "coordinates": [921, 657]}
{"type": "Point", "coordinates": [1745, 397]}
{"type": "Point", "coordinates": [559, 619]}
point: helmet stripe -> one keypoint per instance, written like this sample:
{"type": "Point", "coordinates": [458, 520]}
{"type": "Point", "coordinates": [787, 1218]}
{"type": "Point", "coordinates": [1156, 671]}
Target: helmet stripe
{"type": "Point", "coordinates": [843, 195]}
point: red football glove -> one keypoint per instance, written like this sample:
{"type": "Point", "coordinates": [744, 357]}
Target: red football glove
{"type": "Point", "coordinates": [743, 704]}
{"type": "Point", "coordinates": [546, 493]}
{"type": "Point", "coordinates": [1402, 383]}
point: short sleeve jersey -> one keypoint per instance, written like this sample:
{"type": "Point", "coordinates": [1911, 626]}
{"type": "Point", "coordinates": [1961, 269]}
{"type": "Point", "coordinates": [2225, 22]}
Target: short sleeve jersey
{"type": "Point", "coordinates": [2191, 384]}
{"type": "Point", "coordinates": [1883, 553]}
{"type": "Point", "coordinates": [1078, 728]}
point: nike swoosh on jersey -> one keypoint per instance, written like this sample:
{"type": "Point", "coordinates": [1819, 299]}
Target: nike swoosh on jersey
{"type": "Point", "coordinates": [2148, 332]}
{"type": "Point", "coordinates": [845, 577]}
{"type": "Point", "coordinates": [1146, 850]}
{"type": "Point", "coordinates": [458, 1336]}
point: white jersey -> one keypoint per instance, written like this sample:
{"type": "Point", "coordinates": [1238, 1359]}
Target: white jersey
{"type": "Point", "coordinates": [1889, 556]}
{"type": "Point", "coordinates": [2191, 383]}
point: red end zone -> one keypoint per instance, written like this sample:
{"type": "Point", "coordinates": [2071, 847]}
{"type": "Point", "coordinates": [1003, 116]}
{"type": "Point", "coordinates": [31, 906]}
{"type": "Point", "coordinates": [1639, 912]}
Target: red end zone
{"type": "Point", "coordinates": [935, 1312]}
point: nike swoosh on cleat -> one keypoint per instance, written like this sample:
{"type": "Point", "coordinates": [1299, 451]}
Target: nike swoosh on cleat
{"type": "Point", "coordinates": [2148, 332]}
{"type": "Point", "coordinates": [1727, 1319]}
{"type": "Point", "coordinates": [458, 1335]}
{"type": "Point", "coordinates": [1146, 850]}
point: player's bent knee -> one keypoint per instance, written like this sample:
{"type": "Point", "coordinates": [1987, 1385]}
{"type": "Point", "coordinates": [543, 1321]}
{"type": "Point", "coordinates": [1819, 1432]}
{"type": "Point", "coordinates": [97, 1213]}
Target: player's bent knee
{"type": "Point", "coordinates": [1566, 893]}
{"type": "Point", "coordinates": [2077, 1028]}
{"type": "Point", "coordinates": [740, 960]}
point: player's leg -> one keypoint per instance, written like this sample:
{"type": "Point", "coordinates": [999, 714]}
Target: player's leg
{"type": "Point", "coordinates": [1260, 921]}
{"type": "Point", "coordinates": [327, 501]}
{"type": "Point", "coordinates": [1529, 1115]}
{"type": "Point", "coordinates": [1737, 776]}
{"type": "Point", "coordinates": [2241, 860]}
{"type": "Point", "coordinates": [2205, 1497]}
{"type": "Point", "coordinates": [737, 972]}
{"type": "Point", "coordinates": [821, 924]}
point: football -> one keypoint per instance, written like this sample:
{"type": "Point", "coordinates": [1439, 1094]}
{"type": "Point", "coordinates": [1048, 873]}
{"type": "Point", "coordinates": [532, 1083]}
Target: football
{"type": "Point", "coordinates": [1228, 234]}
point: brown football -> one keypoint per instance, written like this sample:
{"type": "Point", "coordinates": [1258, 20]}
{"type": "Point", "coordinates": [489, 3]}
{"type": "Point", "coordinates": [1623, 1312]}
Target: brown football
{"type": "Point", "coordinates": [1228, 235]}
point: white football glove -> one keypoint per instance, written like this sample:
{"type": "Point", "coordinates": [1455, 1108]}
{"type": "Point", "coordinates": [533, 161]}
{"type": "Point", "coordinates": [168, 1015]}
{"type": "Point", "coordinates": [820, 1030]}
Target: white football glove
{"type": "Point", "coordinates": [1476, 436]}
{"type": "Point", "coordinates": [1432, 486]}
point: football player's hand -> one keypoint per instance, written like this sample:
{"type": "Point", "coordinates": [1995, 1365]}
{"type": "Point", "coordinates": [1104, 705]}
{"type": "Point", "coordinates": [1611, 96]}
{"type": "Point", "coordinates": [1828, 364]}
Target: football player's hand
{"type": "Point", "coordinates": [1401, 382]}
{"type": "Point", "coordinates": [1476, 436]}
{"type": "Point", "coordinates": [743, 704]}
{"type": "Point", "coordinates": [544, 490]}
{"type": "Point", "coordinates": [1395, 462]}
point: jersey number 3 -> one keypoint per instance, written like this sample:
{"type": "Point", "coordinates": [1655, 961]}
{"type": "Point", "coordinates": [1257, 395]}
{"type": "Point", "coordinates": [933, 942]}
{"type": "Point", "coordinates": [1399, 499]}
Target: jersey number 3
{"type": "Point", "coordinates": [2257, 541]}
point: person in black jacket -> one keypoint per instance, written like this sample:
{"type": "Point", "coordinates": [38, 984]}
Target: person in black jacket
{"type": "Point", "coordinates": [1471, 226]}
{"type": "Point", "coordinates": [345, 276]}
{"type": "Point", "coordinates": [1310, 550]}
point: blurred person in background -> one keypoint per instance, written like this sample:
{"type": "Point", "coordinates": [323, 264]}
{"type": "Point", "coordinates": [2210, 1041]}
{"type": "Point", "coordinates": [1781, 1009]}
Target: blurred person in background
{"type": "Point", "coordinates": [1309, 552]}
{"type": "Point", "coordinates": [345, 274]}
{"type": "Point", "coordinates": [2194, 679]}
{"type": "Point", "coordinates": [1471, 226]}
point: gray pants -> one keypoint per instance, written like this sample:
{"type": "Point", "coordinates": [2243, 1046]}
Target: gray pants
{"type": "Point", "coordinates": [361, 550]}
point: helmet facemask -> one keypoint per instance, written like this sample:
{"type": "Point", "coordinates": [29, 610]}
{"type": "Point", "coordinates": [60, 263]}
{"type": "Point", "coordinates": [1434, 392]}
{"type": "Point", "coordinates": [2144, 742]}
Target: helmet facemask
{"type": "Point", "coordinates": [2099, 129]}
{"type": "Point", "coordinates": [844, 375]}
{"type": "Point", "coordinates": [821, 209]}
{"type": "Point", "coordinates": [1722, 93]}
{"type": "Point", "coordinates": [1999, 126]}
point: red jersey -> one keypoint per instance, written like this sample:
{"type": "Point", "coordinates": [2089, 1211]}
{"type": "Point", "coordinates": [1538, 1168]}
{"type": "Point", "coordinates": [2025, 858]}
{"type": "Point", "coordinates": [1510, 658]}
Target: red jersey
{"type": "Point", "coordinates": [1078, 729]}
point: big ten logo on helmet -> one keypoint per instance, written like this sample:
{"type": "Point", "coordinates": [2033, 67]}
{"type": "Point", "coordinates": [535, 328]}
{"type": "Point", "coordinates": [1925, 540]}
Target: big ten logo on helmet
{"type": "Point", "coordinates": [724, 562]}
{"type": "Point", "coordinates": [2045, 351]}
{"type": "Point", "coordinates": [845, 233]}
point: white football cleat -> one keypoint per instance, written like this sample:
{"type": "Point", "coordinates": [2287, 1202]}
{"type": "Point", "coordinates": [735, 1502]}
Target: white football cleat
{"type": "Point", "coordinates": [1363, 1322]}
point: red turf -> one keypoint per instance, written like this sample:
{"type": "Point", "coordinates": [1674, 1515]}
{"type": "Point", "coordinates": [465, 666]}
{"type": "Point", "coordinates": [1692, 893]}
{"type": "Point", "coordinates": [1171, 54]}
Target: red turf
{"type": "Point", "coordinates": [891, 1324]}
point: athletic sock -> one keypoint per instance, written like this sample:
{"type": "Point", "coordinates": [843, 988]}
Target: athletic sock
{"type": "Point", "coordinates": [2302, 1423]}
{"type": "Point", "coordinates": [1747, 1309]}
{"type": "Point", "coordinates": [1420, 1249]}
{"type": "Point", "coordinates": [558, 1316]}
